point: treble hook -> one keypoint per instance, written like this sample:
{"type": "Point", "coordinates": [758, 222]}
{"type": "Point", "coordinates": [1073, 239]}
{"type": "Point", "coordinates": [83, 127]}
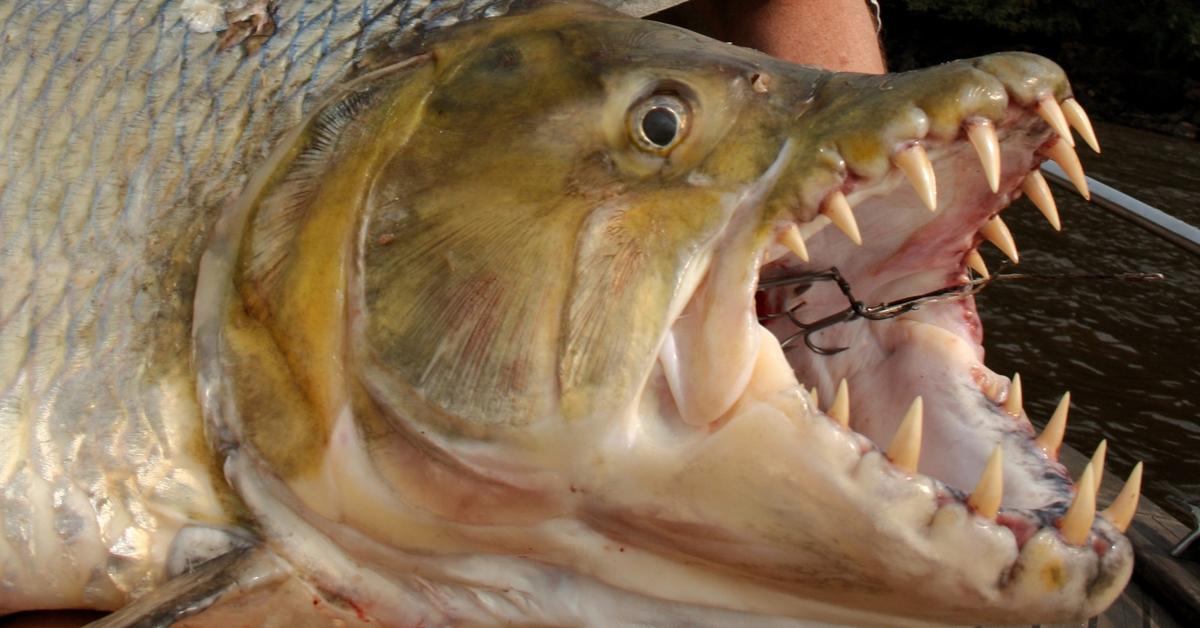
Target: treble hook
{"type": "Point", "coordinates": [807, 329]}
{"type": "Point", "coordinates": [892, 309]}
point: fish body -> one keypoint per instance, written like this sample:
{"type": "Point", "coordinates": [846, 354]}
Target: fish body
{"type": "Point", "coordinates": [148, 131]}
{"type": "Point", "coordinates": [442, 312]}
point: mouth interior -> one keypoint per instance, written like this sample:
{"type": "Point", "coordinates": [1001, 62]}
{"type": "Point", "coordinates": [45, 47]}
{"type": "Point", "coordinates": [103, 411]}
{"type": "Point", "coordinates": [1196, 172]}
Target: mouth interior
{"type": "Point", "coordinates": [933, 352]}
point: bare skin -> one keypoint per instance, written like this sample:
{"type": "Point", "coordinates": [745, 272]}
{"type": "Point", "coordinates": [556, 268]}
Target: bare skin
{"type": "Point", "coordinates": [834, 34]}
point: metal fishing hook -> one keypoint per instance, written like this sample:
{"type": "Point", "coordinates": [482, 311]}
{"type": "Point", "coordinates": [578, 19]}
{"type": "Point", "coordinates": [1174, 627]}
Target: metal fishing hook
{"type": "Point", "coordinates": [883, 311]}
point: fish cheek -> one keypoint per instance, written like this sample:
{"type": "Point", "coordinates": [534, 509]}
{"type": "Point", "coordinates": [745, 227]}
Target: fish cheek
{"type": "Point", "coordinates": [464, 272]}
{"type": "Point", "coordinates": [633, 256]}
{"type": "Point", "coordinates": [512, 298]}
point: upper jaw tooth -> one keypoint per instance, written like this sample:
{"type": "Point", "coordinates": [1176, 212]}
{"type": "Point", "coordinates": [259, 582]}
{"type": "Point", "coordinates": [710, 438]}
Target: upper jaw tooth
{"type": "Point", "coordinates": [915, 164]}
{"type": "Point", "coordinates": [983, 137]}
{"type": "Point", "coordinates": [1098, 462]}
{"type": "Point", "coordinates": [1038, 191]}
{"type": "Point", "coordinates": [837, 209]}
{"type": "Point", "coordinates": [1078, 119]}
{"type": "Point", "coordinates": [1063, 155]}
{"type": "Point", "coordinates": [1050, 111]}
{"type": "Point", "coordinates": [792, 239]}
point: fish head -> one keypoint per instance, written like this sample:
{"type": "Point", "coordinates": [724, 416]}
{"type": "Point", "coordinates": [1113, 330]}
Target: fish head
{"type": "Point", "coordinates": [512, 298]}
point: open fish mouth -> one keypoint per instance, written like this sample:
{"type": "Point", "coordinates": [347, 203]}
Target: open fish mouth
{"type": "Point", "coordinates": [560, 352]}
{"type": "Point", "coordinates": [916, 364]}
{"type": "Point", "coordinates": [867, 323]}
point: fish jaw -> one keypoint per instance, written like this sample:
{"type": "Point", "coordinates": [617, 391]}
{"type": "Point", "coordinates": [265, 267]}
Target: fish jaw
{"type": "Point", "coordinates": [914, 520]}
{"type": "Point", "coordinates": [535, 344]}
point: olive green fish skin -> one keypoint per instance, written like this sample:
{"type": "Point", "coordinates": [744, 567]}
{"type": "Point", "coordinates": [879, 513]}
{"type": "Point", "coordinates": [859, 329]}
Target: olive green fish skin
{"type": "Point", "coordinates": [122, 133]}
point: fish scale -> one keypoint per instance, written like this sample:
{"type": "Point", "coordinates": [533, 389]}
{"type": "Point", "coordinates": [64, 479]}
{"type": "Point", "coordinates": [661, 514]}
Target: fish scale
{"type": "Point", "coordinates": [103, 209]}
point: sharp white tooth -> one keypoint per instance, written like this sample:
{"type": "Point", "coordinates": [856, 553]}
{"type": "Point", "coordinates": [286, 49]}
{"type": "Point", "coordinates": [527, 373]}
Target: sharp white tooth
{"type": "Point", "coordinates": [1049, 110]}
{"type": "Point", "coordinates": [837, 208]}
{"type": "Point", "coordinates": [915, 165]}
{"type": "Point", "coordinates": [975, 262]}
{"type": "Point", "coordinates": [985, 499]}
{"type": "Point", "coordinates": [840, 410]}
{"type": "Point", "coordinates": [905, 449]}
{"type": "Point", "coordinates": [1098, 462]}
{"type": "Point", "coordinates": [987, 146]}
{"type": "Point", "coordinates": [1077, 523]}
{"type": "Point", "coordinates": [1065, 157]}
{"type": "Point", "coordinates": [792, 239]}
{"type": "Point", "coordinates": [1038, 191]}
{"type": "Point", "coordinates": [1013, 404]}
{"type": "Point", "coordinates": [1120, 512]}
{"type": "Point", "coordinates": [1051, 438]}
{"type": "Point", "coordinates": [816, 398]}
{"type": "Point", "coordinates": [1078, 119]}
{"type": "Point", "coordinates": [996, 232]}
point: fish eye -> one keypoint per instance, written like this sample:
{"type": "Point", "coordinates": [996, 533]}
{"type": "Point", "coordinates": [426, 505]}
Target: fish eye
{"type": "Point", "coordinates": [659, 122]}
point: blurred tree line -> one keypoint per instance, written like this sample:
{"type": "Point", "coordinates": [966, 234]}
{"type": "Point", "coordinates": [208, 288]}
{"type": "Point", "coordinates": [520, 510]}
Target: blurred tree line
{"type": "Point", "coordinates": [1132, 62]}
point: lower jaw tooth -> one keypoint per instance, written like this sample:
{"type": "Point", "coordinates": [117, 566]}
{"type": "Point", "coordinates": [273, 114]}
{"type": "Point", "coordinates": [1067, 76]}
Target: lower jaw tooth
{"type": "Point", "coordinates": [1052, 436]}
{"type": "Point", "coordinates": [985, 499]}
{"type": "Point", "coordinates": [1065, 157]}
{"type": "Point", "coordinates": [1052, 113]}
{"type": "Point", "coordinates": [987, 147]}
{"type": "Point", "coordinates": [1120, 512]}
{"type": "Point", "coordinates": [840, 410]}
{"type": "Point", "coordinates": [1076, 525]}
{"type": "Point", "coordinates": [1013, 404]}
{"type": "Point", "coordinates": [1078, 119]}
{"type": "Point", "coordinates": [905, 449]}
{"type": "Point", "coordinates": [996, 232]}
{"type": "Point", "coordinates": [1038, 191]}
{"type": "Point", "coordinates": [975, 263]}
{"type": "Point", "coordinates": [1098, 462]}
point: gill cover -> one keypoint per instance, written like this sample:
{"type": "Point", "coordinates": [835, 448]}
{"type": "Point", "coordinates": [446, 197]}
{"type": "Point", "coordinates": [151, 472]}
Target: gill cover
{"type": "Point", "coordinates": [476, 240]}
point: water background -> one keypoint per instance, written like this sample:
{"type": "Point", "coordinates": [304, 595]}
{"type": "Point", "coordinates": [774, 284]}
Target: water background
{"type": "Point", "coordinates": [1128, 352]}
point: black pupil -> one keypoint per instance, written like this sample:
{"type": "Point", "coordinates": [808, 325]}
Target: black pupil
{"type": "Point", "coordinates": [660, 126]}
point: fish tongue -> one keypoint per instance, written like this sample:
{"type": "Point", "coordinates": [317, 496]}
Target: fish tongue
{"type": "Point", "coordinates": [709, 352]}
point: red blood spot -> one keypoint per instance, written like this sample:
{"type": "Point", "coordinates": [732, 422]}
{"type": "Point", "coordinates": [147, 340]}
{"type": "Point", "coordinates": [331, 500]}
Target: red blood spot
{"type": "Point", "coordinates": [362, 616]}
